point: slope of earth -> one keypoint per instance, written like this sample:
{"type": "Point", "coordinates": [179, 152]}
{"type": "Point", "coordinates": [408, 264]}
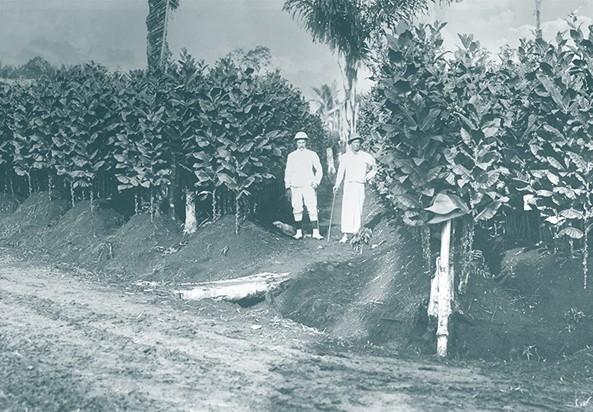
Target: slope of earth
{"type": "Point", "coordinates": [37, 213]}
{"type": "Point", "coordinates": [67, 344]}
{"type": "Point", "coordinates": [377, 296]}
{"type": "Point", "coordinates": [380, 298]}
{"type": "Point", "coordinates": [8, 204]}
{"type": "Point", "coordinates": [152, 249]}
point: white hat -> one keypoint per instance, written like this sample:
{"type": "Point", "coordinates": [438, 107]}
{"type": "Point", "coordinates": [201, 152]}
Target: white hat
{"type": "Point", "coordinates": [301, 136]}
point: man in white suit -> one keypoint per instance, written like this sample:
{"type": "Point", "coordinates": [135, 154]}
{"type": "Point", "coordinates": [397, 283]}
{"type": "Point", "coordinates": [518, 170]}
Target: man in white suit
{"type": "Point", "coordinates": [356, 168]}
{"type": "Point", "coordinates": [302, 176]}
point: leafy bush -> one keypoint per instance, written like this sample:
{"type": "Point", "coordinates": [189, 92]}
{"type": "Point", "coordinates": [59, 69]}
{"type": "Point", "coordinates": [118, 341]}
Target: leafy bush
{"type": "Point", "coordinates": [462, 137]}
{"type": "Point", "coordinates": [151, 135]}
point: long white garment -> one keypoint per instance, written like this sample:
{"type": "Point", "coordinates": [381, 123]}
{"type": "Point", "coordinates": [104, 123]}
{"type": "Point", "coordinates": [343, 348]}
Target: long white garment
{"type": "Point", "coordinates": [356, 168]}
{"type": "Point", "coordinates": [352, 203]}
{"type": "Point", "coordinates": [303, 173]}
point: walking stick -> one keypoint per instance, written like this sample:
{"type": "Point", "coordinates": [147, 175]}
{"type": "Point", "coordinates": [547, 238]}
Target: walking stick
{"type": "Point", "coordinates": [331, 216]}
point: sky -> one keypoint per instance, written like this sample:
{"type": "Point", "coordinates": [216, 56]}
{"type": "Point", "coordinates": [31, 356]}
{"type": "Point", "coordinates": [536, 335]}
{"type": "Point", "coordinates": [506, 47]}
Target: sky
{"type": "Point", "coordinates": [113, 32]}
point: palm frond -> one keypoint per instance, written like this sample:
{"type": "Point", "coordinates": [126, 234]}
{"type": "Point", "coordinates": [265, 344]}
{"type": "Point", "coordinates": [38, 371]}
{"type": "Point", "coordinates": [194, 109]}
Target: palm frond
{"type": "Point", "coordinates": [347, 25]}
{"type": "Point", "coordinates": [338, 23]}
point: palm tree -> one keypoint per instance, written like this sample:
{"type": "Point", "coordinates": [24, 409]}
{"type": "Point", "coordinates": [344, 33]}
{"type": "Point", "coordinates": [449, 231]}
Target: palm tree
{"type": "Point", "coordinates": [330, 110]}
{"type": "Point", "coordinates": [328, 105]}
{"type": "Point", "coordinates": [157, 49]}
{"type": "Point", "coordinates": [347, 26]}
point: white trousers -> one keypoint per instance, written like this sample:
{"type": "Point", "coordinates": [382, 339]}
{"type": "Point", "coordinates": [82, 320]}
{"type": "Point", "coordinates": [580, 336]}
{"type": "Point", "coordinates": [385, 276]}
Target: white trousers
{"type": "Point", "coordinates": [304, 196]}
{"type": "Point", "coordinates": [352, 203]}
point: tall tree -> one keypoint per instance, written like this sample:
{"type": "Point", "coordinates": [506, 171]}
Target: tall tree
{"type": "Point", "coordinates": [259, 58]}
{"type": "Point", "coordinates": [330, 111]}
{"type": "Point", "coordinates": [348, 26]}
{"type": "Point", "coordinates": [157, 48]}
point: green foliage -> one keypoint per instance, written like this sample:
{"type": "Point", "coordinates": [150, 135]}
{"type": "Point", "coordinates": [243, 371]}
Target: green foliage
{"type": "Point", "coordinates": [225, 127]}
{"type": "Point", "coordinates": [466, 135]}
{"type": "Point", "coordinates": [35, 68]}
{"type": "Point", "coordinates": [347, 26]}
{"type": "Point", "coordinates": [415, 124]}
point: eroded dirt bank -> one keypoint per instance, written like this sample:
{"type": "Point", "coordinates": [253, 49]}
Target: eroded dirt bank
{"type": "Point", "coordinates": [68, 344]}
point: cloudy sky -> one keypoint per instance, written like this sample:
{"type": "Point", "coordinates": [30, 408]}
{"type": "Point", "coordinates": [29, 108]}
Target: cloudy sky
{"type": "Point", "coordinates": [112, 32]}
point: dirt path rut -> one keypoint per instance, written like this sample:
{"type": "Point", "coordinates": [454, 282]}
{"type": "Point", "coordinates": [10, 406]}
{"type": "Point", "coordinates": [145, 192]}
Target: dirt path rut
{"type": "Point", "coordinates": [66, 344]}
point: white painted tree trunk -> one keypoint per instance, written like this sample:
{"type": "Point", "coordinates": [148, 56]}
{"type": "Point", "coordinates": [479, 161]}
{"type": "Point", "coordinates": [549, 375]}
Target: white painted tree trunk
{"type": "Point", "coordinates": [433, 300]}
{"type": "Point", "coordinates": [444, 291]}
{"type": "Point", "coordinates": [191, 223]}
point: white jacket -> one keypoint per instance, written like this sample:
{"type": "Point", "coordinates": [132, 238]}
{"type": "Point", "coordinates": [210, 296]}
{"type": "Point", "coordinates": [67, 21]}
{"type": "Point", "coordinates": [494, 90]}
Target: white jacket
{"type": "Point", "coordinates": [356, 167]}
{"type": "Point", "coordinates": [303, 169]}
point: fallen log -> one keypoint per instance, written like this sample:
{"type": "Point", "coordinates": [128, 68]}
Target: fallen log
{"type": "Point", "coordinates": [238, 289]}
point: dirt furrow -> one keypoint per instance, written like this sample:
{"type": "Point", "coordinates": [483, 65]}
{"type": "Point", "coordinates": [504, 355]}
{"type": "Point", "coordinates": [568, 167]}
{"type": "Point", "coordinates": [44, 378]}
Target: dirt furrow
{"type": "Point", "coordinates": [94, 347]}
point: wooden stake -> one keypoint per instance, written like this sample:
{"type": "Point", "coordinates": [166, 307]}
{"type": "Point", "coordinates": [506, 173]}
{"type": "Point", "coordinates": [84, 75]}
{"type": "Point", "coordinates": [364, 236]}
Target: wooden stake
{"type": "Point", "coordinates": [444, 291]}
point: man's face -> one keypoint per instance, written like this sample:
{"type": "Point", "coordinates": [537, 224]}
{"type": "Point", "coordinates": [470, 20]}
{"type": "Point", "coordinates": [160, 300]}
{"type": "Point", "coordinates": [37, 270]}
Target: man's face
{"type": "Point", "coordinates": [355, 145]}
{"type": "Point", "coordinates": [301, 143]}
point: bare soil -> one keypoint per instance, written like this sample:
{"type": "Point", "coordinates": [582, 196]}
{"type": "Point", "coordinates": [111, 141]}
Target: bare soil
{"type": "Point", "coordinates": [70, 344]}
{"type": "Point", "coordinates": [91, 322]}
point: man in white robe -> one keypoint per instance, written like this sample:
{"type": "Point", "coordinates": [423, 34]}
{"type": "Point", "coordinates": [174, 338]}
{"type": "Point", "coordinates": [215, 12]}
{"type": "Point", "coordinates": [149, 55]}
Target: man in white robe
{"type": "Point", "coordinates": [356, 168]}
{"type": "Point", "coordinates": [302, 176]}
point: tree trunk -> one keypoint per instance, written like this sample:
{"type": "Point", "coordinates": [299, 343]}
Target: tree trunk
{"type": "Point", "coordinates": [586, 254]}
{"type": "Point", "coordinates": [191, 223]}
{"type": "Point", "coordinates": [151, 204]}
{"type": "Point", "coordinates": [172, 187]}
{"type": "Point", "coordinates": [329, 154]}
{"type": "Point", "coordinates": [50, 184]}
{"type": "Point", "coordinates": [237, 215]}
{"type": "Point", "coordinates": [444, 291]}
{"type": "Point", "coordinates": [136, 202]}
{"type": "Point", "coordinates": [29, 184]}
{"type": "Point", "coordinates": [92, 199]}
{"type": "Point", "coordinates": [350, 71]}
{"type": "Point", "coordinates": [433, 299]}
{"type": "Point", "coordinates": [214, 211]}
{"type": "Point", "coordinates": [156, 39]}
{"type": "Point", "coordinates": [72, 193]}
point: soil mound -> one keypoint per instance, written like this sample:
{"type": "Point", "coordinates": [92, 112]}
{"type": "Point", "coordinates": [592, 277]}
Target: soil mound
{"type": "Point", "coordinates": [8, 204]}
{"type": "Point", "coordinates": [133, 251]}
{"type": "Point", "coordinates": [538, 308]}
{"type": "Point", "coordinates": [216, 252]}
{"type": "Point", "coordinates": [73, 238]}
{"type": "Point", "coordinates": [159, 251]}
{"type": "Point", "coordinates": [373, 296]}
{"type": "Point", "coordinates": [32, 217]}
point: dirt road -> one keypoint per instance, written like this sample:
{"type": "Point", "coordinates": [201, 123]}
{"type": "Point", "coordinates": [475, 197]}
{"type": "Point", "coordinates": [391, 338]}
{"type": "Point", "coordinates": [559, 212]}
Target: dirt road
{"type": "Point", "coordinates": [68, 344]}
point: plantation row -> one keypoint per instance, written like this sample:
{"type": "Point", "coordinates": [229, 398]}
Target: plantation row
{"type": "Point", "coordinates": [194, 129]}
{"type": "Point", "coordinates": [468, 137]}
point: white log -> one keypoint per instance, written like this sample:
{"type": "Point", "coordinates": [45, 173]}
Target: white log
{"type": "Point", "coordinates": [235, 289]}
{"type": "Point", "coordinates": [444, 292]}
{"type": "Point", "coordinates": [191, 223]}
